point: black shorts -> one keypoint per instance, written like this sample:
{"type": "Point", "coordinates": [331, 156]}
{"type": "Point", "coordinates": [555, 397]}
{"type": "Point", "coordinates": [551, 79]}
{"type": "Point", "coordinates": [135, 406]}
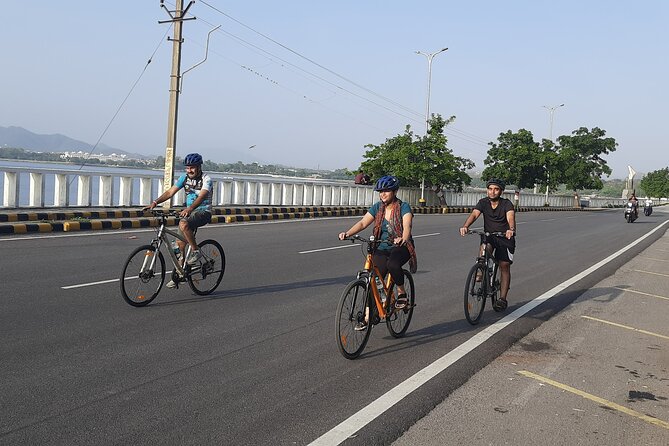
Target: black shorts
{"type": "Point", "coordinates": [504, 248]}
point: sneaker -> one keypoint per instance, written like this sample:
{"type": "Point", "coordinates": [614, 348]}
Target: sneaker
{"type": "Point", "coordinates": [171, 284]}
{"type": "Point", "coordinates": [360, 326]}
{"type": "Point", "coordinates": [194, 258]}
{"type": "Point", "coordinates": [500, 305]}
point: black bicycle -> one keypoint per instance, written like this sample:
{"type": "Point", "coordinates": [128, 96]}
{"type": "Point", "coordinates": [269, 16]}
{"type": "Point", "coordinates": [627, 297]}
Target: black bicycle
{"type": "Point", "coordinates": [483, 279]}
{"type": "Point", "coordinates": [143, 273]}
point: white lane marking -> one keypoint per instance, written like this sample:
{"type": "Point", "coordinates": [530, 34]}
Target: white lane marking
{"type": "Point", "coordinates": [101, 282]}
{"type": "Point", "coordinates": [353, 244]}
{"type": "Point", "coordinates": [376, 408]}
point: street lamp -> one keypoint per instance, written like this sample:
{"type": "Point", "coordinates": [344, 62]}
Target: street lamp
{"type": "Point", "coordinates": [551, 112]}
{"type": "Point", "coordinates": [429, 57]}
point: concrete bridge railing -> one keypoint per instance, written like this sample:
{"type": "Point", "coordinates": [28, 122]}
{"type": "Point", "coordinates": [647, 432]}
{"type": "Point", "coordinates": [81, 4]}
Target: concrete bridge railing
{"type": "Point", "coordinates": [26, 187]}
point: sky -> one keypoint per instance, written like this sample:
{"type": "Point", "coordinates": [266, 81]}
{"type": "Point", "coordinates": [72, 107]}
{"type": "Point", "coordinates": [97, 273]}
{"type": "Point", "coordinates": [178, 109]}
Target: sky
{"type": "Point", "coordinates": [309, 84]}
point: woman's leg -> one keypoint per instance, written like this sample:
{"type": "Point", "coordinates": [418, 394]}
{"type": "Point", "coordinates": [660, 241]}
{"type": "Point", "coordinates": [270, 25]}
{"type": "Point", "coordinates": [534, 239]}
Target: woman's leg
{"type": "Point", "coordinates": [398, 257]}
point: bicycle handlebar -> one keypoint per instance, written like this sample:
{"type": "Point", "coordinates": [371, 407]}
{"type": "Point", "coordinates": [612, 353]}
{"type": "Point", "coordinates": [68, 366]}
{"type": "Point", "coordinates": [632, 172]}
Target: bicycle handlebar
{"type": "Point", "coordinates": [487, 234]}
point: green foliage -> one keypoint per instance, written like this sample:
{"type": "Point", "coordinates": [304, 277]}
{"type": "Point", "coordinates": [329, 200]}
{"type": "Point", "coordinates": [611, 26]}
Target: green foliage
{"type": "Point", "coordinates": [580, 164]}
{"type": "Point", "coordinates": [412, 158]}
{"type": "Point", "coordinates": [656, 183]}
{"type": "Point", "coordinates": [517, 159]}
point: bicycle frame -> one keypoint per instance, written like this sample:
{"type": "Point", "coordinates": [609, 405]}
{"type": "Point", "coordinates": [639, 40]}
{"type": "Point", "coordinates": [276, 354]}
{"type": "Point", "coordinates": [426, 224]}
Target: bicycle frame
{"type": "Point", "coordinates": [369, 273]}
{"type": "Point", "coordinates": [161, 238]}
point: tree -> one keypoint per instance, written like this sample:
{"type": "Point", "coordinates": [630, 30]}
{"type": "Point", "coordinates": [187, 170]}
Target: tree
{"type": "Point", "coordinates": [579, 162]}
{"type": "Point", "coordinates": [413, 158]}
{"type": "Point", "coordinates": [656, 183]}
{"type": "Point", "coordinates": [518, 159]}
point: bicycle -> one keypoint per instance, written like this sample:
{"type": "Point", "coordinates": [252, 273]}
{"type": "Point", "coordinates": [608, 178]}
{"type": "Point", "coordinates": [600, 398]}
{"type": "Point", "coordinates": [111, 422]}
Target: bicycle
{"type": "Point", "coordinates": [483, 280]}
{"type": "Point", "coordinates": [364, 298]}
{"type": "Point", "coordinates": [144, 272]}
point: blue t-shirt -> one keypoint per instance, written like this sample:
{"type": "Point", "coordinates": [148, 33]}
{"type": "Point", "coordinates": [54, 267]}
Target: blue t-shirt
{"type": "Point", "coordinates": [386, 236]}
{"type": "Point", "coordinates": [193, 186]}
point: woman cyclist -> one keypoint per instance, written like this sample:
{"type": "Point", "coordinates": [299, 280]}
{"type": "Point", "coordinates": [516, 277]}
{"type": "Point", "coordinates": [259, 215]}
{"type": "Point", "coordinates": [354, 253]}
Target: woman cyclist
{"type": "Point", "coordinates": [392, 225]}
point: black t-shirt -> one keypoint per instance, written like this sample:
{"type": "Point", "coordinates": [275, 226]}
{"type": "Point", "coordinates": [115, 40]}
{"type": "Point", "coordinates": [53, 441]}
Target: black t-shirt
{"type": "Point", "coordinates": [494, 220]}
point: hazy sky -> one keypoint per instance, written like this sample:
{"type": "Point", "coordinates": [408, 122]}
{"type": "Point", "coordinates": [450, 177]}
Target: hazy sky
{"type": "Point", "coordinates": [68, 65]}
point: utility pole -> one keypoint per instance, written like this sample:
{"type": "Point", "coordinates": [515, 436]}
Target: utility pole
{"type": "Point", "coordinates": [429, 57]}
{"type": "Point", "coordinates": [551, 112]}
{"type": "Point", "coordinates": [177, 18]}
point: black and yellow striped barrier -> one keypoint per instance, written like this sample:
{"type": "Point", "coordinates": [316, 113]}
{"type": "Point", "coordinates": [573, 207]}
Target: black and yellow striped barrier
{"type": "Point", "coordinates": [29, 222]}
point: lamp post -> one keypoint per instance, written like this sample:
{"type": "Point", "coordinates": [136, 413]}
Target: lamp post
{"type": "Point", "coordinates": [551, 112]}
{"type": "Point", "coordinates": [429, 57]}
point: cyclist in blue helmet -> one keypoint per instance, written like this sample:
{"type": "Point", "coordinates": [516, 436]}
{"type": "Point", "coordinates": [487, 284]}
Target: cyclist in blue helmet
{"type": "Point", "coordinates": [499, 215]}
{"type": "Point", "coordinates": [392, 220]}
{"type": "Point", "coordinates": [197, 186]}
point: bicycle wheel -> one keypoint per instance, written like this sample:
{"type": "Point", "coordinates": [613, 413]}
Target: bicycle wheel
{"type": "Point", "coordinates": [475, 295]}
{"type": "Point", "coordinates": [140, 283]}
{"type": "Point", "coordinates": [351, 310]}
{"type": "Point", "coordinates": [398, 320]}
{"type": "Point", "coordinates": [205, 276]}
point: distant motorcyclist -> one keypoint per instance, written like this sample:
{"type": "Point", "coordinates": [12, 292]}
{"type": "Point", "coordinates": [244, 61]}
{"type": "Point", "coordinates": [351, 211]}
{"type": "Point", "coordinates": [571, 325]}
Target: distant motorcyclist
{"type": "Point", "coordinates": [648, 207]}
{"type": "Point", "coordinates": [635, 204]}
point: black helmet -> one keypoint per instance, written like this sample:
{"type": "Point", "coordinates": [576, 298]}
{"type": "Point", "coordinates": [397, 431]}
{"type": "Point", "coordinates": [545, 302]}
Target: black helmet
{"type": "Point", "coordinates": [387, 182]}
{"type": "Point", "coordinates": [496, 181]}
{"type": "Point", "coordinates": [193, 159]}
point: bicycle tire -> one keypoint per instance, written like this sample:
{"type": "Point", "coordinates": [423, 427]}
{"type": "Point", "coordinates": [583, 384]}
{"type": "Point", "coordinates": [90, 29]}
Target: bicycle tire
{"type": "Point", "coordinates": [350, 311]}
{"type": "Point", "coordinates": [398, 320]}
{"type": "Point", "coordinates": [475, 294]}
{"type": "Point", "coordinates": [205, 277]}
{"type": "Point", "coordinates": [138, 287]}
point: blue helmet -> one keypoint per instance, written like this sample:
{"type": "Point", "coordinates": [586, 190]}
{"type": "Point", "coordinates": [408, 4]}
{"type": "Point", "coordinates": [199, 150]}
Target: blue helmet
{"type": "Point", "coordinates": [387, 182]}
{"type": "Point", "coordinates": [497, 182]}
{"type": "Point", "coordinates": [193, 159]}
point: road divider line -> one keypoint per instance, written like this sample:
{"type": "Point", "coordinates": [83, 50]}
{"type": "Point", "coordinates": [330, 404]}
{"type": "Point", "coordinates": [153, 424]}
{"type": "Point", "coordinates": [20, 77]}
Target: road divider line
{"type": "Point", "coordinates": [641, 292]}
{"type": "Point", "coordinates": [101, 282]}
{"type": "Point", "coordinates": [376, 408]}
{"type": "Point", "coordinates": [353, 244]}
{"type": "Point", "coordinates": [596, 399]}
{"type": "Point", "coordinates": [626, 327]}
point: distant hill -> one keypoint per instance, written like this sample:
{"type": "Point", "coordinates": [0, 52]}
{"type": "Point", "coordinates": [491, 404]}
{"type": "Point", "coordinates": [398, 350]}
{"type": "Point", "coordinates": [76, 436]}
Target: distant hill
{"type": "Point", "coordinates": [20, 138]}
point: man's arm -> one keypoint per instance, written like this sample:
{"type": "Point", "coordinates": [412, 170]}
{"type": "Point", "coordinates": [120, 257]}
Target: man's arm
{"type": "Point", "coordinates": [472, 217]}
{"type": "Point", "coordinates": [169, 193]}
{"type": "Point", "coordinates": [511, 219]}
{"type": "Point", "coordinates": [197, 202]}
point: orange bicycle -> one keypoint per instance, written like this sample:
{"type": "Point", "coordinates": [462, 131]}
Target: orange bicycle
{"type": "Point", "coordinates": [370, 299]}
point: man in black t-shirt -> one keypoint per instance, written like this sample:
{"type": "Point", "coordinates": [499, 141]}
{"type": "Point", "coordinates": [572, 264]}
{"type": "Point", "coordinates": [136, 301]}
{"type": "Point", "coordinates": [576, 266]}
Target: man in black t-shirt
{"type": "Point", "coordinates": [499, 215]}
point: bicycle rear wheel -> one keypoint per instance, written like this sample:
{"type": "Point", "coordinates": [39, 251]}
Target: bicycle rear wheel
{"type": "Point", "coordinates": [398, 320]}
{"type": "Point", "coordinates": [205, 276]}
{"type": "Point", "coordinates": [475, 294]}
{"type": "Point", "coordinates": [350, 311]}
{"type": "Point", "coordinates": [140, 283]}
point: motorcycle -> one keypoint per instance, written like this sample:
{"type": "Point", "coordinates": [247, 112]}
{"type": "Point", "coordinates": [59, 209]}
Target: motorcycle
{"type": "Point", "coordinates": [647, 209]}
{"type": "Point", "coordinates": [630, 213]}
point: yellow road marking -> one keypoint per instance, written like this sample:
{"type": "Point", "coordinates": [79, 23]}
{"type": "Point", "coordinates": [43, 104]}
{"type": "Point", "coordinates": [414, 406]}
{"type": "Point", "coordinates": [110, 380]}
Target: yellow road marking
{"type": "Point", "coordinates": [650, 272]}
{"type": "Point", "coordinates": [641, 292]}
{"type": "Point", "coordinates": [626, 327]}
{"type": "Point", "coordinates": [602, 401]}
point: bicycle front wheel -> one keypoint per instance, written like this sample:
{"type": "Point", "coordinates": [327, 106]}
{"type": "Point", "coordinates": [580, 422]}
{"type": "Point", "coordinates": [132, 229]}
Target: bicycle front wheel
{"type": "Point", "coordinates": [475, 294]}
{"type": "Point", "coordinates": [140, 280]}
{"type": "Point", "coordinates": [350, 312]}
{"type": "Point", "coordinates": [398, 320]}
{"type": "Point", "coordinates": [205, 276]}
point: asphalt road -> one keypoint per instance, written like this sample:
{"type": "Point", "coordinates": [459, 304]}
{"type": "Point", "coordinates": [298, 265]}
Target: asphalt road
{"type": "Point", "coordinates": [256, 362]}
